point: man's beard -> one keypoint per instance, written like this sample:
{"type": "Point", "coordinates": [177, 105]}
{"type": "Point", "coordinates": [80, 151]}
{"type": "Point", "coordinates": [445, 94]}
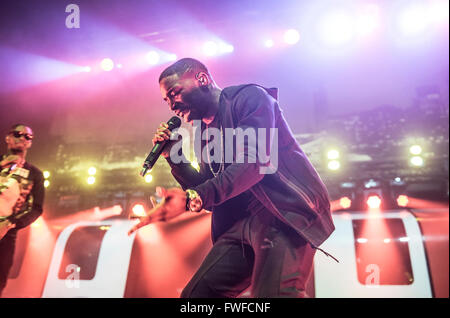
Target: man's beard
{"type": "Point", "coordinates": [199, 101]}
{"type": "Point", "coordinates": [16, 151]}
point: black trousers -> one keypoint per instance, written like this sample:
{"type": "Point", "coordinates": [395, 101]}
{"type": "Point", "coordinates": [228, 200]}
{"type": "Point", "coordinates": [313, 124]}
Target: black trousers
{"type": "Point", "coordinates": [7, 247]}
{"type": "Point", "coordinates": [259, 251]}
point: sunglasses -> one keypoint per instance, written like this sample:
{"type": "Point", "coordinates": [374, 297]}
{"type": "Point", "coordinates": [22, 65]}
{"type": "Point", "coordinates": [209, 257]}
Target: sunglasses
{"type": "Point", "coordinates": [18, 134]}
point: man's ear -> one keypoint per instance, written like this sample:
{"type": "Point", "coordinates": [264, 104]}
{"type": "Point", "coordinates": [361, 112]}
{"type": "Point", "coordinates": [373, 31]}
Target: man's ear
{"type": "Point", "coordinates": [203, 78]}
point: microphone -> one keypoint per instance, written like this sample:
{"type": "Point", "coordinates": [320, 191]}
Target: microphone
{"type": "Point", "coordinates": [173, 123]}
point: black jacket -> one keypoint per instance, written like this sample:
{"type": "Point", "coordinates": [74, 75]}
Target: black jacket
{"type": "Point", "coordinates": [29, 206]}
{"type": "Point", "coordinates": [294, 193]}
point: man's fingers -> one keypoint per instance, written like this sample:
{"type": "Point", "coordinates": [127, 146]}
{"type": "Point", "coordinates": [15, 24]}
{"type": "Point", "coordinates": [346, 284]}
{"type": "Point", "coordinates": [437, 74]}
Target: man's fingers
{"type": "Point", "coordinates": [161, 192]}
{"type": "Point", "coordinates": [153, 201]}
{"type": "Point", "coordinates": [142, 223]}
{"type": "Point", "coordinates": [164, 135]}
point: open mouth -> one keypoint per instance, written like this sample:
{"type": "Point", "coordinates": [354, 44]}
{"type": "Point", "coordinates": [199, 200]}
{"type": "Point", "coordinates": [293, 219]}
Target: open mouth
{"type": "Point", "coordinates": [183, 114]}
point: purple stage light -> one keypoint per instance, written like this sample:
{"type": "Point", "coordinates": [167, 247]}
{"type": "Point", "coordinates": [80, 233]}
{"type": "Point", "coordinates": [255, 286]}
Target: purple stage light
{"type": "Point", "coordinates": [413, 20]}
{"type": "Point", "coordinates": [225, 48]}
{"type": "Point", "coordinates": [21, 69]}
{"type": "Point", "coordinates": [336, 28]}
{"type": "Point", "coordinates": [269, 43]}
{"type": "Point", "coordinates": [291, 36]}
{"type": "Point", "coordinates": [152, 57]}
{"type": "Point", "coordinates": [438, 11]}
{"type": "Point", "coordinates": [368, 20]}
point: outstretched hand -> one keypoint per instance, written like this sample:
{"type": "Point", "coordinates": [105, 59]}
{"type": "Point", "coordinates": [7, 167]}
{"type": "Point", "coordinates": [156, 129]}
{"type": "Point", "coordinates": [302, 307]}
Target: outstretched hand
{"type": "Point", "coordinates": [172, 205]}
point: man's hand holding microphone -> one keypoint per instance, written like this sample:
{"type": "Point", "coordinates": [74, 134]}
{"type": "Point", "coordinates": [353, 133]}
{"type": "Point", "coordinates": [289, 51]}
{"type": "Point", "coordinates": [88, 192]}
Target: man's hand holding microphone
{"type": "Point", "coordinates": [174, 200]}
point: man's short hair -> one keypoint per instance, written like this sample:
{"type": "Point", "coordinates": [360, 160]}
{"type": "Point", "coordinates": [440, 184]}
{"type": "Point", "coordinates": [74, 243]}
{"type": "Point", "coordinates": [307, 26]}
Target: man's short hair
{"type": "Point", "coordinates": [182, 67]}
{"type": "Point", "coordinates": [13, 127]}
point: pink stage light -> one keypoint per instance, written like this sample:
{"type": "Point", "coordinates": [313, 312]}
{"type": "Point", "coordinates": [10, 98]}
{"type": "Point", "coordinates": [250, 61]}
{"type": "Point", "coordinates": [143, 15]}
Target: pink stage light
{"type": "Point", "coordinates": [107, 64]}
{"type": "Point", "coordinates": [210, 48]}
{"type": "Point", "coordinates": [217, 47]}
{"type": "Point", "coordinates": [374, 202]}
{"type": "Point", "coordinates": [117, 209]}
{"type": "Point", "coordinates": [345, 202]}
{"type": "Point", "coordinates": [402, 200]}
{"type": "Point", "coordinates": [139, 210]}
{"type": "Point", "coordinates": [172, 57]}
{"type": "Point", "coordinates": [152, 57]}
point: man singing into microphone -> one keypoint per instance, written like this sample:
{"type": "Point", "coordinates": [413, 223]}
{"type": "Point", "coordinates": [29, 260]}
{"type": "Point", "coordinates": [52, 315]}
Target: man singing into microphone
{"type": "Point", "coordinates": [266, 226]}
{"type": "Point", "coordinates": [21, 194]}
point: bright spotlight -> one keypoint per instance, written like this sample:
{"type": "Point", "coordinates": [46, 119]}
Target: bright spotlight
{"type": "Point", "coordinates": [413, 21]}
{"type": "Point", "coordinates": [226, 48]}
{"type": "Point", "coordinates": [46, 174]}
{"type": "Point", "coordinates": [148, 178]}
{"type": "Point", "coordinates": [107, 64]}
{"type": "Point", "coordinates": [345, 202]}
{"type": "Point", "coordinates": [91, 180]}
{"type": "Point", "coordinates": [374, 202]}
{"type": "Point", "coordinates": [152, 57]}
{"type": "Point", "coordinates": [291, 36]}
{"type": "Point", "coordinates": [402, 200]}
{"type": "Point", "coordinates": [336, 28]}
{"type": "Point", "coordinates": [415, 150]}
{"type": "Point", "coordinates": [117, 209]}
{"type": "Point", "coordinates": [139, 210]}
{"type": "Point", "coordinates": [210, 48]}
{"type": "Point", "coordinates": [333, 154]}
{"type": "Point", "coordinates": [86, 69]}
{"type": "Point", "coordinates": [438, 11]}
{"type": "Point", "coordinates": [92, 171]}
{"type": "Point", "coordinates": [417, 161]}
{"type": "Point", "coordinates": [46, 183]}
{"type": "Point", "coordinates": [172, 57]}
{"type": "Point", "coordinates": [368, 20]}
{"type": "Point", "coordinates": [269, 43]}
{"type": "Point", "coordinates": [334, 165]}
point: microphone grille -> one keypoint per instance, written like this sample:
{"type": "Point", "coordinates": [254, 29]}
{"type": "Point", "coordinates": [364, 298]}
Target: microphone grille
{"type": "Point", "coordinates": [174, 123]}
